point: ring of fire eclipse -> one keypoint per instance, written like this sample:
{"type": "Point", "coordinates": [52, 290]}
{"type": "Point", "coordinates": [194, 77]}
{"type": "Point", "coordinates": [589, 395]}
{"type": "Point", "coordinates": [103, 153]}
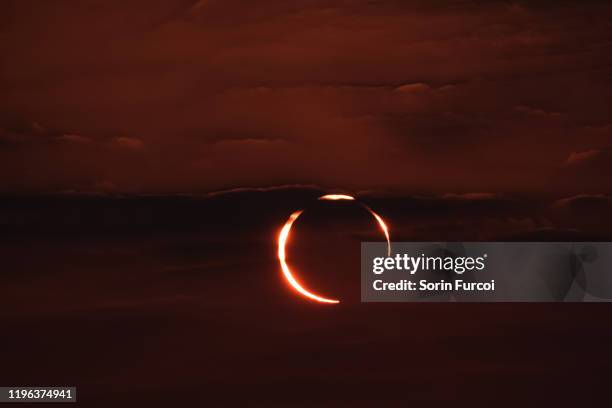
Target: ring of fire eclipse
{"type": "Point", "coordinates": [283, 237]}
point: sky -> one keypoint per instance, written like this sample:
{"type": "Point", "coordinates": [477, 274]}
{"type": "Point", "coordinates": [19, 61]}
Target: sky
{"type": "Point", "coordinates": [183, 96]}
{"type": "Point", "coordinates": [455, 120]}
{"type": "Point", "coordinates": [173, 300]}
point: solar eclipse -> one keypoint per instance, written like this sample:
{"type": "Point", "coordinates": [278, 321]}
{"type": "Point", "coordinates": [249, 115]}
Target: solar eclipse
{"type": "Point", "coordinates": [283, 238]}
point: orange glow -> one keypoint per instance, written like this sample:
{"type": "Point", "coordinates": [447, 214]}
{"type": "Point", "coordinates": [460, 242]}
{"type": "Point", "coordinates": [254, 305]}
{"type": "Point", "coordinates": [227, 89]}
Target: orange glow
{"type": "Point", "coordinates": [383, 227]}
{"type": "Point", "coordinates": [336, 197]}
{"type": "Point", "coordinates": [283, 237]}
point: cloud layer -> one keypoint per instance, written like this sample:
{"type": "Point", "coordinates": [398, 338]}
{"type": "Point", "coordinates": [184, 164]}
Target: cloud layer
{"type": "Point", "coordinates": [202, 95]}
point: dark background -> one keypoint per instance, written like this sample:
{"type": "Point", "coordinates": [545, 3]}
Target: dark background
{"type": "Point", "coordinates": [150, 151]}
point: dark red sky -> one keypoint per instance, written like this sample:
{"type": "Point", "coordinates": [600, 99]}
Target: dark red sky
{"type": "Point", "coordinates": [445, 95]}
{"type": "Point", "coordinates": [166, 299]}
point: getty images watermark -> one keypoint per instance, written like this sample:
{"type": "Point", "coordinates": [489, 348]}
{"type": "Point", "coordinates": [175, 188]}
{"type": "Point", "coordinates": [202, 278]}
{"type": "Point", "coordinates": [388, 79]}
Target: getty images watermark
{"type": "Point", "coordinates": [486, 271]}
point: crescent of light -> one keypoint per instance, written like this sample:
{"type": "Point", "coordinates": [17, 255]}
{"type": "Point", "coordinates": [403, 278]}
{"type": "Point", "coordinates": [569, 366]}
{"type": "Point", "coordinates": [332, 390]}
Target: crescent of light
{"type": "Point", "coordinates": [283, 237]}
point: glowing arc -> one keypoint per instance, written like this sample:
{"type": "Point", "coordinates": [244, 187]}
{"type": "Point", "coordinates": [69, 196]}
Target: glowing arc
{"type": "Point", "coordinates": [383, 227]}
{"type": "Point", "coordinates": [283, 237]}
{"type": "Point", "coordinates": [378, 218]}
{"type": "Point", "coordinates": [282, 242]}
{"type": "Point", "coordinates": [334, 197]}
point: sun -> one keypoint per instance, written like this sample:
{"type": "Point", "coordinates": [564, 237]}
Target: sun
{"type": "Point", "coordinates": [283, 238]}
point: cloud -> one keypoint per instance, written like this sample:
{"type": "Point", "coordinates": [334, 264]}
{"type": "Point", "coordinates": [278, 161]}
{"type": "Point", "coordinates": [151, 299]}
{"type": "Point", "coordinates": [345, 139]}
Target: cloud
{"type": "Point", "coordinates": [35, 134]}
{"type": "Point", "coordinates": [128, 142]}
{"type": "Point", "coordinates": [585, 212]}
{"type": "Point", "coordinates": [286, 187]}
{"type": "Point", "coordinates": [584, 172]}
{"type": "Point", "coordinates": [74, 138]}
{"type": "Point", "coordinates": [25, 133]}
{"type": "Point", "coordinates": [538, 112]}
{"type": "Point", "coordinates": [198, 6]}
{"type": "Point", "coordinates": [576, 158]}
{"type": "Point", "coordinates": [435, 96]}
{"type": "Point", "coordinates": [413, 88]}
{"type": "Point", "coordinates": [583, 202]}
